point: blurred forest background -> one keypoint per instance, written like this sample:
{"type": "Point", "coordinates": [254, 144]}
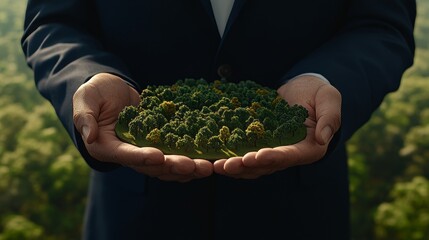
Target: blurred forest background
{"type": "Point", "coordinates": [43, 180]}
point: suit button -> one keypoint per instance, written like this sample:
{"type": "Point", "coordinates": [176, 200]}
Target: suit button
{"type": "Point", "coordinates": [224, 71]}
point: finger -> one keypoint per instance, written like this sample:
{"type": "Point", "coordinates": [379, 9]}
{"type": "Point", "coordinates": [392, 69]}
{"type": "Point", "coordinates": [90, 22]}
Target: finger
{"type": "Point", "coordinates": [251, 160]}
{"type": "Point", "coordinates": [86, 110]}
{"type": "Point", "coordinates": [87, 126]}
{"type": "Point", "coordinates": [181, 169]}
{"type": "Point", "coordinates": [234, 166]}
{"type": "Point", "coordinates": [180, 165]}
{"type": "Point", "coordinates": [244, 173]}
{"type": "Point", "coordinates": [328, 113]}
{"type": "Point", "coordinates": [203, 168]}
{"type": "Point", "coordinates": [174, 168]}
{"type": "Point", "coordinates": [280, 157]}
{"type": "Point", "coordinates": [304, 152]}
{"type": "Point", "coordinates": [130, 155]}
{"type": "Point", "coordinates": [218, 166]}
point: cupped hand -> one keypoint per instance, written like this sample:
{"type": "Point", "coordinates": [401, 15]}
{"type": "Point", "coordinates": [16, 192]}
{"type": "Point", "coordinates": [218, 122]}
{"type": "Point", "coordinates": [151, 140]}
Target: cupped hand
{"type": "Point", "coordinates": [96, 105]}
{"type": "Point", "coordinates": [323, 102]}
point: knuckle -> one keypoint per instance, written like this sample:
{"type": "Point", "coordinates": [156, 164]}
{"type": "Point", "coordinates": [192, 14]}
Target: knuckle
{"type": "Point", "coordinates": [76, 117]}
{"type": "Point", "coordinates": [81, 117]}
{"type": "Point", "coordinates": [336, 121]}
{"type": "Point", "coordinates": [78, 93]}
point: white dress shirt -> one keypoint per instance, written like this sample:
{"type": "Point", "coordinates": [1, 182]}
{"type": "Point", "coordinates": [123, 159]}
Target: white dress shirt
{"type": "Point", "coordinates": [221, 11]}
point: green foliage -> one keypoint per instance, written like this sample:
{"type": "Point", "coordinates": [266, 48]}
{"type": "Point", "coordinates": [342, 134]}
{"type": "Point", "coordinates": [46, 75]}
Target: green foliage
{"type": "Point", "coordinates": [154, 136]}
{"type": "Point", "coordinates": [43, 179]}
{"type": "Point", "coordinates": [392, 149]}
{"type": "Point", "coordinates": [171, 139]}
{"type": "Point", "coordinates": [18, 227]}
{"type": "Point", "coordinates": [399, 129]}
{"type": "Point", "coordinates": [215, 143]}
{"type": "Point", "coordinates": [254, 132]}
{"type": "Point", "coordinates": [185, 143]}
{"type": "Point", "coordinates": [407, 215]}
{"type": "Point", "coordinates": [244, 105]}
{"type": "Point", "coordinates": [224, 134]}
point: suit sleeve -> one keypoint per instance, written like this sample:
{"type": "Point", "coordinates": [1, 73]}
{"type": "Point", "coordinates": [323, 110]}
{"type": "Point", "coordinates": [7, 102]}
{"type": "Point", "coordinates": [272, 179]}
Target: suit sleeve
{"type": "Point", "coordinates": [60, 45]}
{"type": "Point", "coordinates": [366, 59]}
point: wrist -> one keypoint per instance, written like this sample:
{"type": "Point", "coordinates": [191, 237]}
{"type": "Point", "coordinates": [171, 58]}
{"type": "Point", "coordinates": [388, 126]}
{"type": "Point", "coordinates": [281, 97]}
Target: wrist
{"type": "Point", "coordinates": [301, 84]}
{"type": "Point", "coordinates": [313, 75]}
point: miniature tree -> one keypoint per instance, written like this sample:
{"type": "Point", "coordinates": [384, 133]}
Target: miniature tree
{"type": "Point", "coordinates": [242, 114]}
{"type": "Point", "coordinates": [161, 120]}
{"type": "Point", "coordinates": [224, 134]}
{"type": "Point", "coordinates": [286, 130]}
{"type": "Point", "coordinates": [236, 138]}
{"type": "Point", "coordinates": [235, 102]}
{"type": "Point", "coordinates": [193, 122]}
{"type": "Point", "coordinates": [167, 94]}
{"type": "Point", "coordinates": [171, 139]}
{"type": "Point", "coordinates": [183, 109]}
{"type": "Point", "coordinates": [150, 102]}
{"type": "Point", "coordinates": [235, 123]}
{"type": "Point", "coordinates": [147, 92]}
{"type": "Point", "coordinates": [255, 106]}
{"type": "Point", "coordinates": [215, 143]}
{"type": "Point", "coordinates": [168, 108]}
{"type": "Point", "coordinates": [136, 127]}
{"type": "Point", "coordinates": [129, 113]}
{"type": "Point", "coordinates": [202, 138]}
{"type": "Point", "coordinates": [185, 143]}
{"type": "Point", "coordinates": [212, 125]}
{"type": "Point", "coordinates": [203, 114]}
{"type": "Point", "coordinates": [182, 129]}
{"type": "Point", "coordinates": [166, 129]}
{"type": "Point", "coordinates": [255, 131]}
{"type": "Point", "coordinates": [149, 123]}
{"type": "Point", "coordinates": [154, 136]}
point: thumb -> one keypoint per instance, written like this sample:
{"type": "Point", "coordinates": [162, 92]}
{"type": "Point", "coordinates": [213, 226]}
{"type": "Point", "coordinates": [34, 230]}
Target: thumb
{"type": "Point", "coordinates": [85, 114]}
{"type": "Point", "coordinates": [87, 126]}
{"type": "Point", "coordinates": [328, 113]}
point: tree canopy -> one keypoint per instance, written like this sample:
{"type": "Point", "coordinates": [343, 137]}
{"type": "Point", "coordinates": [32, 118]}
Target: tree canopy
{"type": "Point", "coordinates": [200, 116]}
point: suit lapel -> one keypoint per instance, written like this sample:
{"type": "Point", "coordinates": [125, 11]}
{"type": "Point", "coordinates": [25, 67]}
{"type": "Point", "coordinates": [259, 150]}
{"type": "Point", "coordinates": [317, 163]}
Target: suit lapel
{"type": "Point", "coordinates": [209, 10]}
{"type": "Point", "coordinates": [238, 5]}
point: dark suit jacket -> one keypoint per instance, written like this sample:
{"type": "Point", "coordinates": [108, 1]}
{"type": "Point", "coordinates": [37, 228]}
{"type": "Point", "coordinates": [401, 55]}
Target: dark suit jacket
{"type": "Point", "coordinates": [361, 46]}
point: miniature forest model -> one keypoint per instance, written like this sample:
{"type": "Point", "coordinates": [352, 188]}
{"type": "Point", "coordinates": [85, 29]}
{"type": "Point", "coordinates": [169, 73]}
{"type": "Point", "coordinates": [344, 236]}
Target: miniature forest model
{"type": "Point", "coordinates": [211, 120]}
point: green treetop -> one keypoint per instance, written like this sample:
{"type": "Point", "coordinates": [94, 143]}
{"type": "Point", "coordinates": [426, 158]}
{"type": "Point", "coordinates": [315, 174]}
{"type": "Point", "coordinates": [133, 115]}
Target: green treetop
{"type": "Point", "coordinates": [211, 120]}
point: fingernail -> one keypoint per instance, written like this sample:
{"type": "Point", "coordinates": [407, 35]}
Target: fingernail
{"type": "Point", "coordinates": [326, 134]}
{"type": "Point", "coordinates": [85, 132]}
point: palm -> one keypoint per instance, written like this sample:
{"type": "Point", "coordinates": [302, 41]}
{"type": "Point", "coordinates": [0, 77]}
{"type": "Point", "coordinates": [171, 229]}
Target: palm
{"type": "Point", "coordinates": [108, 98]}
{"type": "Point", "coordinates": [323, 103]}
{"type": "Point", "coordinates": [118, 95]}
{"type": "Point", "coordinates": [96, 106]}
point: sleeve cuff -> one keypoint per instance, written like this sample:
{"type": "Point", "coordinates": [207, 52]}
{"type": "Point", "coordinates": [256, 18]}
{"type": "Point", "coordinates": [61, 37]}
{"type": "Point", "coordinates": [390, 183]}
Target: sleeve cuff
{"type": "Point", "coordinates": [320, 76]}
